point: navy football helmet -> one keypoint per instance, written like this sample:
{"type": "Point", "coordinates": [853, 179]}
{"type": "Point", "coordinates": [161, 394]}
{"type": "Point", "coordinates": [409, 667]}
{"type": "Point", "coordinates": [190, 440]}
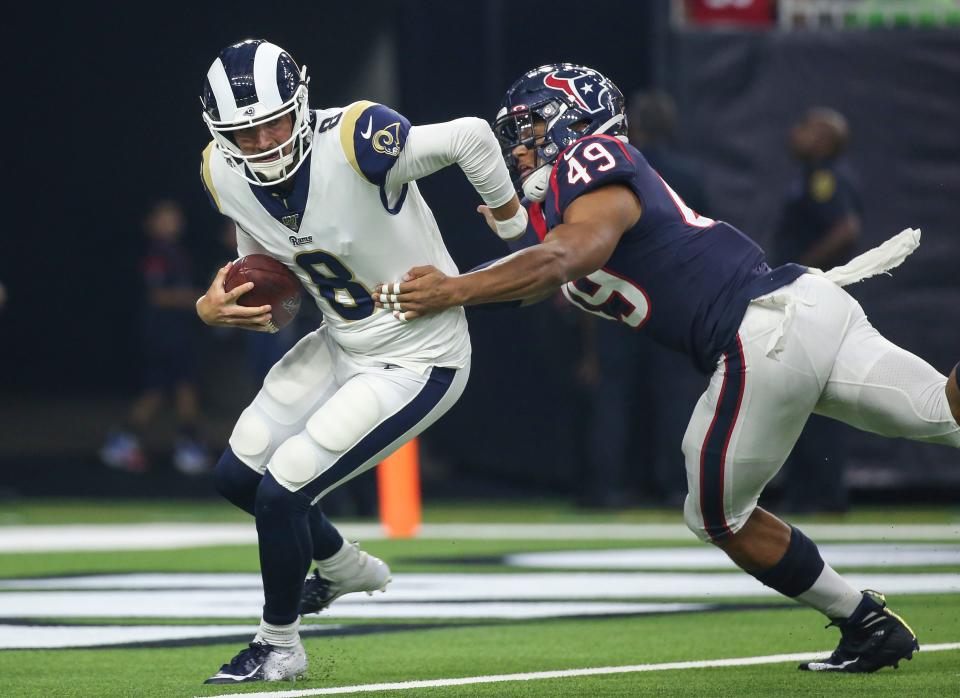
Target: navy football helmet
{"type": "Point", "coordinates": [571, 101]}
{"type": "Point", "coordinates": [250, 83]}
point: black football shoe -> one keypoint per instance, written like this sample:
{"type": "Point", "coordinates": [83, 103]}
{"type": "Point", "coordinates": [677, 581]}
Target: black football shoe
{"type": "Point", "coordinates": [870, 639]}
{"type": "Point", "coordinates": [263, 662]}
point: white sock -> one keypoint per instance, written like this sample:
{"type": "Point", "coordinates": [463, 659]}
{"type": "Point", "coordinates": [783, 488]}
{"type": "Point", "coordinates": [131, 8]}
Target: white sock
{"type": "Point", "coordinates": [341, 565]}
{"type": "Point", "coordinates": [832, 595]}
{"type": "Point", "coordinates": [287, 636]}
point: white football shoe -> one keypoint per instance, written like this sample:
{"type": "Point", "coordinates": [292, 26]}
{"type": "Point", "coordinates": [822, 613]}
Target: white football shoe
{"type": "Point", "coordinates": [263, 662]}
{"type": "Point", "coordinates": [350, 569]}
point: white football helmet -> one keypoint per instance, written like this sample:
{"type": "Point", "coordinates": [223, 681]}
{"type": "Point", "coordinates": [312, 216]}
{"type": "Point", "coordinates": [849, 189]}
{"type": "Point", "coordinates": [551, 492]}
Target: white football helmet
{"type": "Point", "coordinates": [251, 83]}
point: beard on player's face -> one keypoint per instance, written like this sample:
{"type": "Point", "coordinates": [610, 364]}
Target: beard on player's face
{"type": "Point", "coordinates": [265, 137]}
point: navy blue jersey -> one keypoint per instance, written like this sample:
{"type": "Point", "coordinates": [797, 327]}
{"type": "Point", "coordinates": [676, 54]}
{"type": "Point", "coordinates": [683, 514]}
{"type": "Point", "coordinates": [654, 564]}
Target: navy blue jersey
{"type": "Point", "coordinates": [684, 278]}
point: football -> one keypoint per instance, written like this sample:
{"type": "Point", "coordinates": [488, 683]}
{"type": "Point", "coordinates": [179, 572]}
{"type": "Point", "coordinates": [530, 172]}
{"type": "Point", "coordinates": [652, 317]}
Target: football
{"type": "Point", "coordinates": [273, 285]}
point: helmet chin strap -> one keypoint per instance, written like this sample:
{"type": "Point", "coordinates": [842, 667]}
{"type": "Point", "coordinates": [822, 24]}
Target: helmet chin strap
{"type": "Point", "coordinates": [537, 182]}
{"type": "Point", "coordinates": [272, 171]}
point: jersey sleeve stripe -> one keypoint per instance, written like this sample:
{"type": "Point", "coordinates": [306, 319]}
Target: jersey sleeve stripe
{"type": "Point", "coordinates": [347, 127]}
{"type": "Point", "coordinates": [207, 175]}
{"type": "Point", "coordinates": [553, 185]}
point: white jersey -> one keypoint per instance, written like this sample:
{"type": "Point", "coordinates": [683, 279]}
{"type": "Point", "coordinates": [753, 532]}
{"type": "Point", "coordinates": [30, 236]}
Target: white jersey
{"type": "Point", "coordinates": [341, 230]}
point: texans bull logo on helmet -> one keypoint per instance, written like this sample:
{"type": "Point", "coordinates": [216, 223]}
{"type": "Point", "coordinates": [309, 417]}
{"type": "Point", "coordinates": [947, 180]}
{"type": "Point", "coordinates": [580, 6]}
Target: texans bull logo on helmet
{"type": "Point", "coordinates": [580, 87]}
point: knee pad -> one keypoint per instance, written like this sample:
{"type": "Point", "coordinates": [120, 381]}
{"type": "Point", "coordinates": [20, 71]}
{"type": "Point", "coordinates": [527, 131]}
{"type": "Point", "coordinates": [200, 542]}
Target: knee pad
{"type": "Point", "coordinates": [346, 417]}
{"type": "Point", "coordinates": [297, 461]}
{"type": "Point", "coordinates": [302, 371]}
{"type": "Point", "coordinates": [251, 436]}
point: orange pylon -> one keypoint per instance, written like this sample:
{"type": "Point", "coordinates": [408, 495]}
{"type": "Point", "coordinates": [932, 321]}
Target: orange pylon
{"type": "Point", "coordinates": [398, 482]}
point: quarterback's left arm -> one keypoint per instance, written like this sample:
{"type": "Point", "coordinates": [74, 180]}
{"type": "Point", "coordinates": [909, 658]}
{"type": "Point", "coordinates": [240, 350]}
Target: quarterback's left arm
{"type": "Point", "coordinates": [387, 151]}
{"type": "Point", "coordinates": [469, 143]}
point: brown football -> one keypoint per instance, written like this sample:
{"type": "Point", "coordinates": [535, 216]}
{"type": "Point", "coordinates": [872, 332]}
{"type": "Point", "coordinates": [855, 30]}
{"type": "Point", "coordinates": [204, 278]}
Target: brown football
{"type": "Point", "coordinates": [273, 285]}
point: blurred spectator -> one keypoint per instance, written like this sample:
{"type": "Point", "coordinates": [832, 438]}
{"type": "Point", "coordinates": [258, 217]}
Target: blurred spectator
{"type": "Point", "coordinates": [168, 325]}
{"type": "Point", "coordinates": [642, 393]}
{"type": "Point", "coordinates": [820, 223]}
{"type": "Point", "coordinates": [652, 120]}
{"type": "Point", "coordinates": [3, 296]}
{"type": "Point", "coordinates": [819, 227]}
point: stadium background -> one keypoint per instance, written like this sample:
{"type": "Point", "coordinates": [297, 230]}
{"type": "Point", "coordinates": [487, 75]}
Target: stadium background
{"type": "Point", "coordinates": [115, 583]}
{"type": "Point", "coordinates": [107, 120]}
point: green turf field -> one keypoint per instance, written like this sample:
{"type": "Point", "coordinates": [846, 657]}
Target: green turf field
{"type": "Point", "coordinates": [403, 636]}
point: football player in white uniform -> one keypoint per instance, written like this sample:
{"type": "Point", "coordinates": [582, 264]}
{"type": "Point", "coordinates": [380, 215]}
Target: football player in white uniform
{"type": "Point", "coordinates": [331, 194]}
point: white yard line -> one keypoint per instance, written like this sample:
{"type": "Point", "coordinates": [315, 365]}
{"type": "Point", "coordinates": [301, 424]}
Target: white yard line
{"type": "Point", "coordinates": [567, 673]}
{"type": "Point", "coordinates": [162, 536]}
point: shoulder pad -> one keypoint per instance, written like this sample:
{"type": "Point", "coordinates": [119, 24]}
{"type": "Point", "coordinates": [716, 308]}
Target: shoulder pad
{"type": "Point", "coordinates": [372, 137]}
{"type": "Point", "coordinates": [587, 164]}
{"type": "Point", "coordinates": [206, 176]}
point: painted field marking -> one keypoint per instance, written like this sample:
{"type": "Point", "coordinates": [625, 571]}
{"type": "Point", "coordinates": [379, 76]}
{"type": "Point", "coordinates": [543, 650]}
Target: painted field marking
{"type": "Point", "coordinates": [415, 595]}
{"type": "Point", "coordinates": [566, 673]}
{"type": "Point", "coordinates": [172, 536]}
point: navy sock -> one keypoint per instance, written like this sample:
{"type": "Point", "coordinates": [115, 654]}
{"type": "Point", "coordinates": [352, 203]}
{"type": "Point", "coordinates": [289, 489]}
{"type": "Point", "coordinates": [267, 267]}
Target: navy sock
{"type": "Point", "coordinates": [237, 482]}
{"type": "Point", "coordinates": [797, 570]}
{"type": "Point", "coordinates": [286, 548]}
{"type": "Point", "coordinates": [327, 540]}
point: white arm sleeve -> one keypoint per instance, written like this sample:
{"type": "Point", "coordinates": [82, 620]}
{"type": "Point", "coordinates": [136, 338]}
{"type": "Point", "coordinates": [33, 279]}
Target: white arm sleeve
{"type": "Point", "coordinates": [470, 143]}
{"type": "Point", "coordinates": [247, 245]}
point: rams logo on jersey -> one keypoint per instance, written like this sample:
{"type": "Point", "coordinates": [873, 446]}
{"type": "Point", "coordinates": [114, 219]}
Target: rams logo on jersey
{"type": "Point", "coordinates": [387, 140]}
{"type": "Point", "coordinates": [372, 136]}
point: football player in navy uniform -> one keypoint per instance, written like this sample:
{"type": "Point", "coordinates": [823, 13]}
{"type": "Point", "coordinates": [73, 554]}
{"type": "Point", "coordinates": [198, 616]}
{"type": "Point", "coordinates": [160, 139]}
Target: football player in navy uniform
{"type": "Point", "coordinates": [778, 344]}
{"type": "Point", "coordinates": [332, 194]}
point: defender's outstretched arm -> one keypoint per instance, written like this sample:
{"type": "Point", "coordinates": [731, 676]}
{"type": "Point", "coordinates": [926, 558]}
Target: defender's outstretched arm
{"type": "Point", "coordinates": [593, 225]}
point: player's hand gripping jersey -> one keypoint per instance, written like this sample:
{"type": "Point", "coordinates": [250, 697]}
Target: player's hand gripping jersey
{"type": "Point", "coordinates": [684, 278]}
{"type": "Point", "coordinates": [346, 223]}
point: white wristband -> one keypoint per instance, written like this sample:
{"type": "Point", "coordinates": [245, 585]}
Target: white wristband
{"type": "Point", "coordinates": [513, 227]}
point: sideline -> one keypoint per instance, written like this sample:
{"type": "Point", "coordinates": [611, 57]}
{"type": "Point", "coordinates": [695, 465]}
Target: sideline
{"type": "Point", "coordinates": [532, 676]}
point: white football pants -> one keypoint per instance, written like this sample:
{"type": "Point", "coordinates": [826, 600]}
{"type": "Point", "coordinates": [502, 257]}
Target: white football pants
{"type": "Point", "coordinates": [324, 416]}
{"type": "Point", "coordinates": [807, 347]}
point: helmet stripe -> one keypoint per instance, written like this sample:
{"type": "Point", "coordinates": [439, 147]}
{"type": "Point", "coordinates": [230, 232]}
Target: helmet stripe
{"type": "Point", "coordinates": [222, 93]}
{"type": "Point", "coordinates": [265, 76]}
